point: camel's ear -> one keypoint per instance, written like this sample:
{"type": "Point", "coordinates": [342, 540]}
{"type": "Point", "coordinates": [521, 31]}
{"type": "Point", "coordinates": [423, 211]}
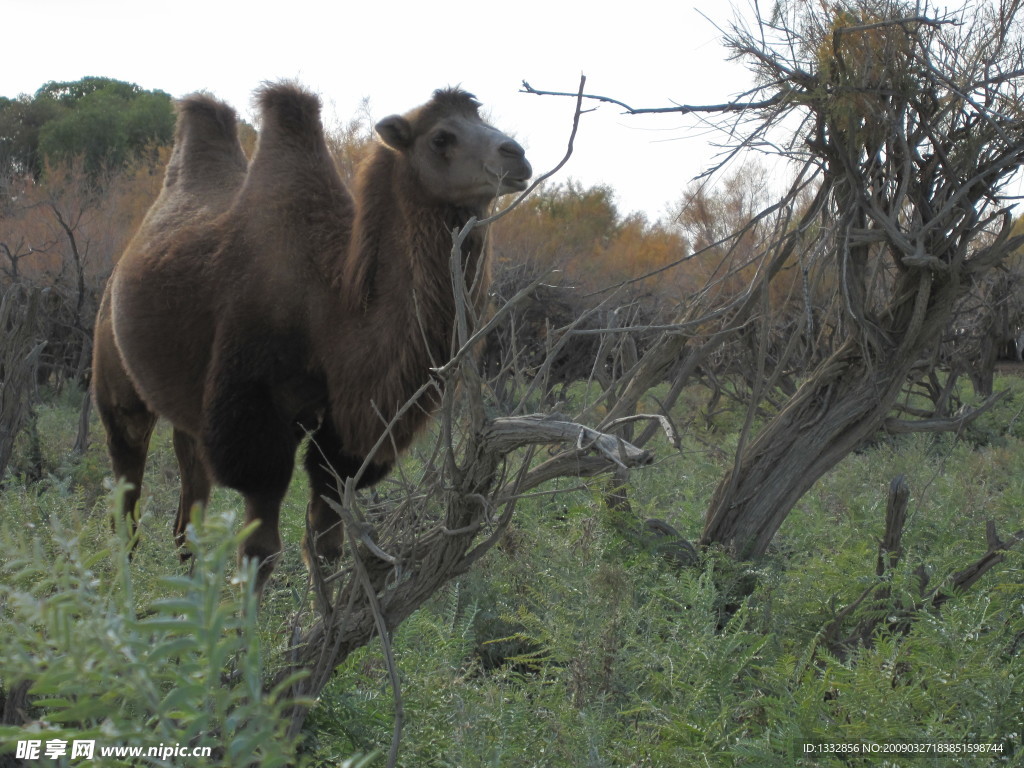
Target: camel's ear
{"type": "Point", "coordinates": [395, 131]}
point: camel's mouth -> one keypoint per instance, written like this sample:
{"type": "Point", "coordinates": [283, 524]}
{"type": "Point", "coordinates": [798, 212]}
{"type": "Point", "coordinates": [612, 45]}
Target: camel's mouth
{"type": "Point", "coordinates": [509, 184]}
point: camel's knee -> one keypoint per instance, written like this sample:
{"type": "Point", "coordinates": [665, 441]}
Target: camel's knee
{"type": "Point", "coordinates": [262, 546]}
{"type": "Point", "coordinates": [128, 436]}
{"type": "Point", "coordinates": [329, 467]}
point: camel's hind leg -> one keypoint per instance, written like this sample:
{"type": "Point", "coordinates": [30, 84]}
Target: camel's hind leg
{"type": "Point", "coordinates": [128, 421]}
{"type": "Point", "coordinates": [195, 485]}
{"type": "Point", "coordinates": [128, 434]}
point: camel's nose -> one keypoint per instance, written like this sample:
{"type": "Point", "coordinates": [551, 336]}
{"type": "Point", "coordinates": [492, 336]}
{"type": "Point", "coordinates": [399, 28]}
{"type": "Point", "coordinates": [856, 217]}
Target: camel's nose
{"type": "Point", "coordinates": [515, 156]}
{"type": "Point", "coordinates": [512, 150]}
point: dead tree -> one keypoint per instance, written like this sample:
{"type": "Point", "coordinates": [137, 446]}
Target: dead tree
{"type": "Point", "coordinates": [19, 357]}
{"type": "Point", "coordinates": [857, 624]}
{"type": "Point", "coordinates": [909, 127]}
{"type": "Point", "coordinates": [985, 328]}
{"type": "Point", "coordinates": [915, 125]}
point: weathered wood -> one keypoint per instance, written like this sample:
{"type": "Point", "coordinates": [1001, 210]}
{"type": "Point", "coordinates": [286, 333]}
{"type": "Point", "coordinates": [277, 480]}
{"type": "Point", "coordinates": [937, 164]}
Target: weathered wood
{"type": "Point", "coordinates": [505, 434]}
{"type": "Point", "coordinates": [877, 596]}
{"type": "Point", "coordinates": [895, 518]}
{"type": "Point", "coordinates": [966, 578]}
{"type": "Point", "coordinates": [417, 564]}
{"type": "Point", "coordinates": [952, 424]}
{"type": "Point", "coordinates": [927, 230]}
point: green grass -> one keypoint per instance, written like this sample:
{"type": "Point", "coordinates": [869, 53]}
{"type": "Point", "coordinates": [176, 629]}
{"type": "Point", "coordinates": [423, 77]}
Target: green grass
{"type": "Point", "coordinates": [570, 644]}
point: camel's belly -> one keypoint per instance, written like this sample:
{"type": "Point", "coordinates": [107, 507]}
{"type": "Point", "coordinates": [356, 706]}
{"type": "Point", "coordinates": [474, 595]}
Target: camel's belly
{"type": "Point", "coordinates": [163, 333]}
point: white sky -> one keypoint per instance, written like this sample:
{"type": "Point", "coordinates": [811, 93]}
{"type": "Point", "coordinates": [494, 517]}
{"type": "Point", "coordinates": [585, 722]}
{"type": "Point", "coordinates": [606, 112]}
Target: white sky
{"type": "Point", "coordinates": [643, 52]}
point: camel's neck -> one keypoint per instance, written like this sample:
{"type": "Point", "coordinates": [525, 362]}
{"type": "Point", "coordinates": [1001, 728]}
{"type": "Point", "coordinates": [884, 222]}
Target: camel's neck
{"type": "Point", "coordinates": [400, 308]}
{"type": "Point", "coordinates": [401, 250]}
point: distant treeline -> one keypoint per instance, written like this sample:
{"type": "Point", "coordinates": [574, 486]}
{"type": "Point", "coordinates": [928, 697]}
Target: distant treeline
{"type": "Point", "coordinates": [107, 123]}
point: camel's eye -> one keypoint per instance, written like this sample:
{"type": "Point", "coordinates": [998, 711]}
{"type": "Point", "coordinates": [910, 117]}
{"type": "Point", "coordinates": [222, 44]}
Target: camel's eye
{"type": "Point", "coordinates": [443, 140]}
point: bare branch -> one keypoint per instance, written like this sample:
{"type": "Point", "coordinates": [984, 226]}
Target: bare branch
{"type": "Point", "coordinates": [384, 632]}
{"type": "Point", "coordinates": [685, 109]}
{"type": "Point", "coordinates": [505, 434]}
{"type": "Point", "coordinates": [954, 424]}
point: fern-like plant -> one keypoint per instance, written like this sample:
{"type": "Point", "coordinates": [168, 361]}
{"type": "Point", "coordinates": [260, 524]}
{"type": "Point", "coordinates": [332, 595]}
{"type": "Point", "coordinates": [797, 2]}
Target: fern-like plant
{"type": "Point", "coordinates": [183, 672]}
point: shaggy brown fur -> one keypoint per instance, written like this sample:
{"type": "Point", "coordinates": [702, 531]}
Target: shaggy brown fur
{"type": "Point", "coordinates": [302, 307]}
{"type": "Point", "coordinates": [205, 171]}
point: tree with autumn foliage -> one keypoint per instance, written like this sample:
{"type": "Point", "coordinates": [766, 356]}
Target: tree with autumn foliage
{"type": "Point", "coordinates": [579, 233]}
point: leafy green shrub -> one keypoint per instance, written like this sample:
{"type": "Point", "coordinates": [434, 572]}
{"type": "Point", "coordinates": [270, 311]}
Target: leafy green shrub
{"type": "Point", "coordinates": [183, 671]}
{"type": "Point", "coordinates": [569, 645]}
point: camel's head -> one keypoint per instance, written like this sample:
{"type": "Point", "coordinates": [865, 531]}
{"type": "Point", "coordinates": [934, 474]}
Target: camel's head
{"type": "Point", "coordinates": [455, 156]}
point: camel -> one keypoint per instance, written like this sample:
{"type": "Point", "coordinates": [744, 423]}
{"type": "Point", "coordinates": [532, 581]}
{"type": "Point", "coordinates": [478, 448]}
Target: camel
{"type": "Point", "coordinates": [301, 308]}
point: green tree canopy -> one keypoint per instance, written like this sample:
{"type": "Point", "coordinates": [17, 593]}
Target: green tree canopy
{"type": "Point", "coordinates": [106, 122]}
{"type": "Point", "coordinates": [20, 121]}
{"type": "Point", "coordinates": [70, 93]}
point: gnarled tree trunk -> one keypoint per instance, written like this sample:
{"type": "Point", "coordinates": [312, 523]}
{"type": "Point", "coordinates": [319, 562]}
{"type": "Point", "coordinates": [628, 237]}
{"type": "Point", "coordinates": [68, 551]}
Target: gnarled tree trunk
{"type": "Point", "coordinates": [915, 123]}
